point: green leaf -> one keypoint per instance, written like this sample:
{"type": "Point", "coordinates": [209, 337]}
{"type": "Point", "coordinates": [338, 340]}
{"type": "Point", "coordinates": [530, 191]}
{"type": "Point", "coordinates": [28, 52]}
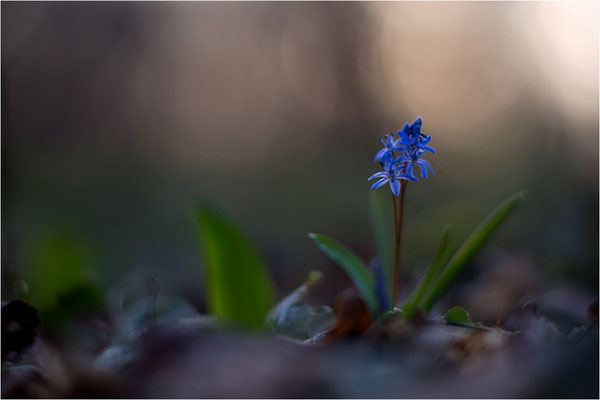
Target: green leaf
{"type": "Point", "coordinates": [60, 277]}
{"type": "Point", "coordinates": [457, 315]}
{"type": "Point", "coordinates": [469, 248]}
{"type": "Point", "coordinates": [441, 257]}
{"type": "Point", "coordinates": [239, 289]}
{"type": "Point", "coordinates": [352, 264]}
{"type": "Point", "coordinates": [383, 230]}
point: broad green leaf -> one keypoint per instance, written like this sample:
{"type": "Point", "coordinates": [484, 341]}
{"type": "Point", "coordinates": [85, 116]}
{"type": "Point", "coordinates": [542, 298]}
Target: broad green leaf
{"type": "Point", "coordinates": [60, 277]}
{"type": "Point", "coordinates": [239, 289]}
{"type": "Point", "coordinates": [78, 300]}
{"type": "Point", "coordinates": [352, 264]}
{"type": "Point", "coordinates": [60, 262]}
{"type": "Point", "coordinates": [468, 249]}
{"type": "Point", "coordinates": [382, 222]}
{"type": "Point", "coordinates": [440, 259]}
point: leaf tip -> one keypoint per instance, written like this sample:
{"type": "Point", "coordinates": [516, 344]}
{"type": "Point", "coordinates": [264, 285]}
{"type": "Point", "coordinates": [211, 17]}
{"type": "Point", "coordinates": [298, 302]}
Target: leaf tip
{"type": "Point", "coordinates": [314, 277]}
{"type": "Point", "coordinates": [519, 196]}
{"type": "Point", "coordinates": [315, 237]}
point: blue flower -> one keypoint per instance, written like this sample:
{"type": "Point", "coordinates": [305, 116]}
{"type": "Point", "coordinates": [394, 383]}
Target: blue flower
{"type": "Point", "coordinates": [392, 173]}
{"type": "Point", "coordinates": [410, 135]}
{"type": "Point", "coordinates": [411, 146]}
{"type": "Point", "coordinates": [390, 145]}
{"type": "Point", "coordinates": [414, 159]}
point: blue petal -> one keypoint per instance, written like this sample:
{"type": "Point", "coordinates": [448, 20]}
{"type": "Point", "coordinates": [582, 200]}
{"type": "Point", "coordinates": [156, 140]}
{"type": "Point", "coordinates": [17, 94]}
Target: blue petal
{"type": "Point", "coordinates": [409, 172]}
{"type": "Point", "coordinates": [400, 160]}
{"type": "Point", "coordinates": [378, 175]}
{"type": "Point", "coordinates": [423, 171]}
{"type": "Point", "coordinates": [379, 183]}
{"type": "Point", "coordinates": [424, 163]}
{"type": "Point", "coordinates": [379, 155]}
{"type": "Point", "coordinates": [428, 149]}
{"type": "Point", "coordinates": [386, 159]}
{"type": "Point", "coordinates": [416, 125]}
{"type": "Point", "coordinates": [400, 169]}
{"type": "Point", "coordinates": [407, 177]}
{"type": "Point", "coordinates": [395, 186]}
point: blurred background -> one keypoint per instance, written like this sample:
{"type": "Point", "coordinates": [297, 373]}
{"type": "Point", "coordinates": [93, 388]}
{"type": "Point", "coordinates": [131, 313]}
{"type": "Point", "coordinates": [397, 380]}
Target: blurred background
{"type": "Point", "coordinates": [117, 116]}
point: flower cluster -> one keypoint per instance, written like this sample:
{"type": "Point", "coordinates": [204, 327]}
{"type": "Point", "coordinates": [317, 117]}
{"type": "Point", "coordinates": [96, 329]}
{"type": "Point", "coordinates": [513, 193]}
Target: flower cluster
{"type": "Point", "coordinates": [409, 147]}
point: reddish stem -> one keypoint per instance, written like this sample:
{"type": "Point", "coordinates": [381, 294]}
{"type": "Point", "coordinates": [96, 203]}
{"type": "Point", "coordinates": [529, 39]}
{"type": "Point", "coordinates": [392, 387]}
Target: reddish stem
{"type": "Point", "coordinates": [398, 211]}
